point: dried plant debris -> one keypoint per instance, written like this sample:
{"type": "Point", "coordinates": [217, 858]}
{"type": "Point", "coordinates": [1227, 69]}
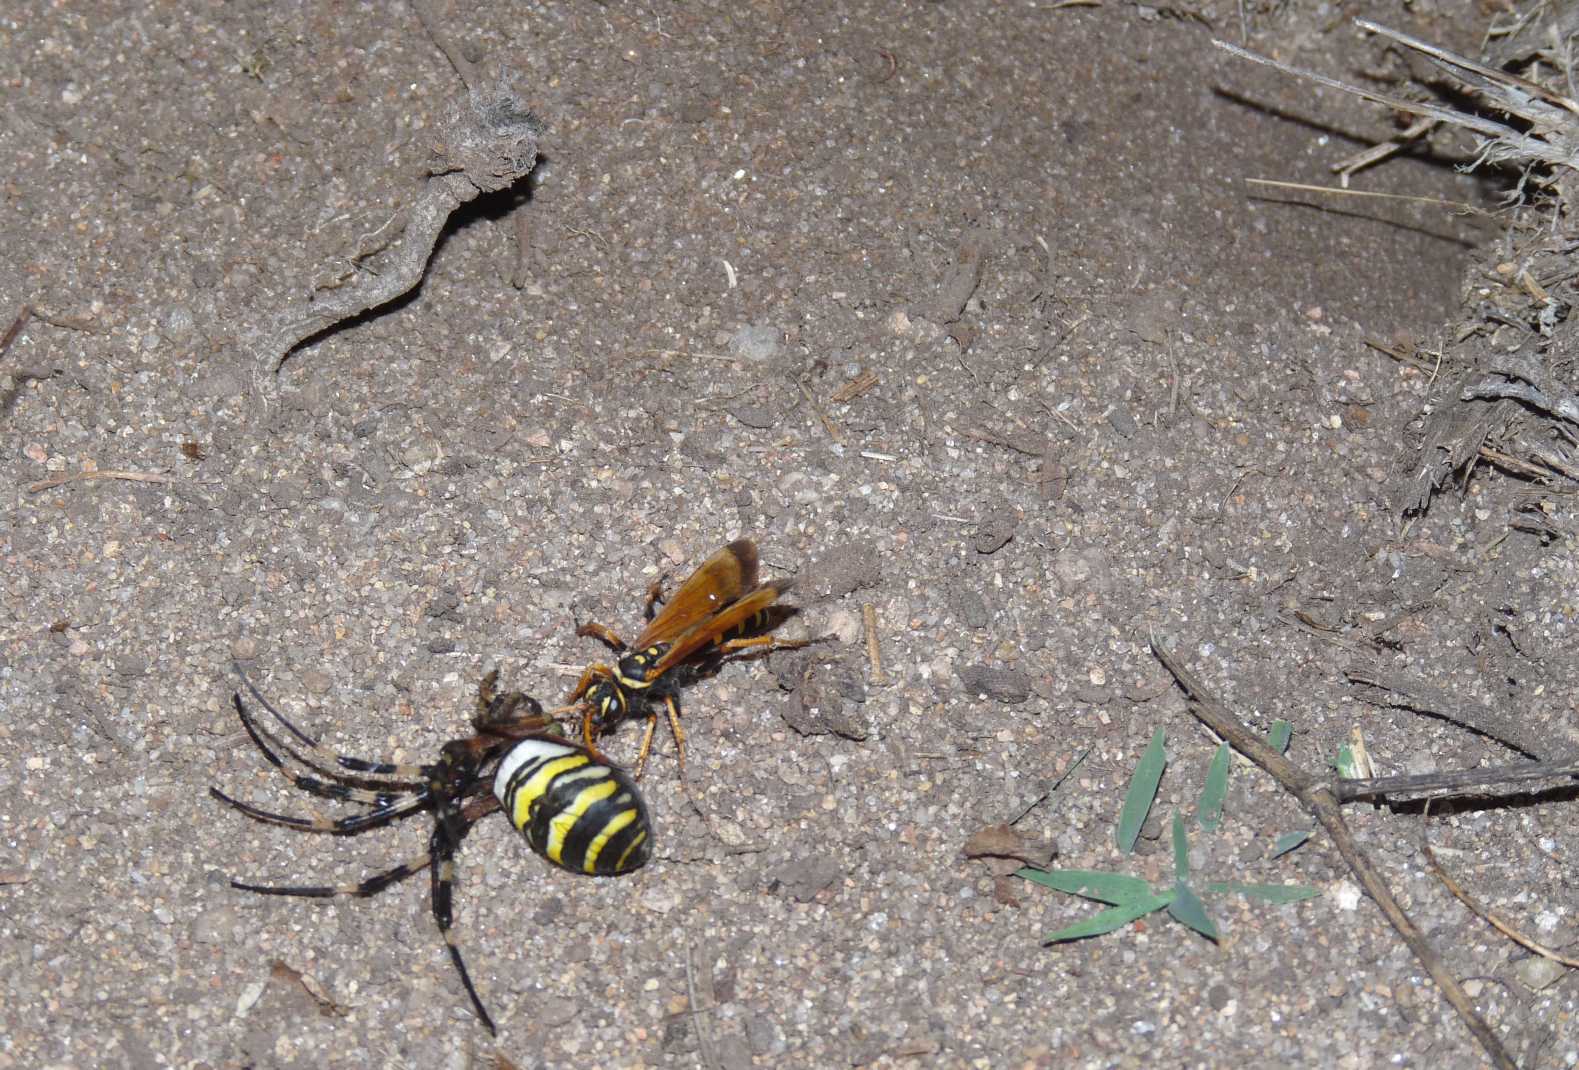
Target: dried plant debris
{"type": "Point", "coordinates": [830, 699]}
{"type": "Point", "coordinates": [1508, 399]}
{"type": "Point", "coordinates": [1007, 850]}
{"type": "Point", "coordinates": [485, 141]}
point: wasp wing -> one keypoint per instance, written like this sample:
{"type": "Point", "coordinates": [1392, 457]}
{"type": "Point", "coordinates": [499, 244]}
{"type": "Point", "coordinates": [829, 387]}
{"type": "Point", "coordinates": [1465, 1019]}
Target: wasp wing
{"type": "Point", "coordinates": [736, 619]}
{"type": "Point", "coordinates": [713, 587]}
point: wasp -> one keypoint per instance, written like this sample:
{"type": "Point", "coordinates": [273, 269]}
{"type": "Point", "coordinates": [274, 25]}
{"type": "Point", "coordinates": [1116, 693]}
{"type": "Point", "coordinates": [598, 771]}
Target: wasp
{"type": "Point", "coordinates": [579, 812]}
{"type": "Point", "coordinates": [720, 610]}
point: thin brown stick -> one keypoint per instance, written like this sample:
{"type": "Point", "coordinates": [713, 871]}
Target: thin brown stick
{"type": "Point", "coordinates": [1435, 202]}
{"type": "Point", "coordinates": [827, 424]}
{"type": "Point", "coordinates": [107, 473]}
{"type": "Point", "coordinates": [873, 654]}
{"type": "Point", "coordinates": [695, 964]}
{"type": "Point", "coordinates": [854, 388]}
{"type": "Point", "coordinates": [1027, 445]}
{"type": "Point", "coordinates": [1377, 153]}
{"type": "Point", "coordinates": [16, 327]}
{"type": "Point", "coordinates": [1323, 804]}
{"type": "Point", "coordinates": [1474, 905]}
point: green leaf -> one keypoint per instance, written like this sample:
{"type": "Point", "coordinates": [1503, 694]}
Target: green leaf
{"type": "Point", "coordinates": [1117, 888]}
{"type": "Point", "coordinates": [1288, 841]}
{"type": "Point", "coordinates": [1347, 767]}
{"type": "Point", "coordinates": [1142, 793]}
{"type": "Point", "coordinates": [1209, 811]}
{"type": "Point", "coordinates": [1187, 909]}
{"type": "Point", "coordinates": [1268, 893]}
{"type": "Point", "coordinates": [1278, 738]}
{"type": "Point", "coordinates": [1181, 849]}
{"type": "Point", "coordinates": [1110, 919]}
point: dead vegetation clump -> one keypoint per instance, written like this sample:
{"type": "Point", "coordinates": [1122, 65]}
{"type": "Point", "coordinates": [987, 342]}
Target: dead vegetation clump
{"type": "Point", "coordinates": [1506, 387]}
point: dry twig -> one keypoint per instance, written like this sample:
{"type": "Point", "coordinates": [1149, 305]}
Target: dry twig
{"type": "Point", "coordinates": [1474, 905]}
{"type": "Point", "coordinates": [1324, 805]}
{"type": "Point", "coordinates": [873, 653]}
{"type": "Point", "coordinates": [485, 141]}
{"type": "Point", "coordinates": [105, 473]}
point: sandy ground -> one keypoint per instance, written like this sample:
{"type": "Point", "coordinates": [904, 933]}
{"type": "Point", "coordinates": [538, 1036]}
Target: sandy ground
{"type": "Point", "coordinates": [1156, 414]}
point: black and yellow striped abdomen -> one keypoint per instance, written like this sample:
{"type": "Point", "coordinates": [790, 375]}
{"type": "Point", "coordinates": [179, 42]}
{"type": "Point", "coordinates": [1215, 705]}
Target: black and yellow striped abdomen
{"type": "Point", "coordinates": [579, 813]}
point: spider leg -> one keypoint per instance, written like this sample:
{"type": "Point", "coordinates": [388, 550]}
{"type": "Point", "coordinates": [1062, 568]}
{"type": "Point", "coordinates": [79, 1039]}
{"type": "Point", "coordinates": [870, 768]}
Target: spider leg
{"type": "Point", "coordinates": [397, 807]}
{"type": "Point", "coordinates": [329, 758]}
{"type": "Point", "coordinates": [442, 847]}
{"type": "Point", "coordinates": [370, 886]}
{"type": "Point", "coordinates": [385, 795]}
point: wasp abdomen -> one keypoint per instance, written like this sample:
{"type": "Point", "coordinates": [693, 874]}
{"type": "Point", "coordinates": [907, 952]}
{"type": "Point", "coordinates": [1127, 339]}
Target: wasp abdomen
{"type": "Point", "coordinates": [579, 813]}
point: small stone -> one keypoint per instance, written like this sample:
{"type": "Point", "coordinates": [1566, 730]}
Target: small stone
{"type": "Point", "coordinates": [1003, 685]}
{"type": "Point", "coordinates": [802, 879]}
{"type": "Point", "coordinates": [132, 665]}
{"type": "Point", "coordinates": [757, 343]}
{"type": "Point", "coordinates": [844, 569]}
{"type": "Point", "coordinates": [1122, 423]}
{"type": "Point", "coordinates": [1538, 972]}
{"type": "Point", "coordinates": [847, 625]}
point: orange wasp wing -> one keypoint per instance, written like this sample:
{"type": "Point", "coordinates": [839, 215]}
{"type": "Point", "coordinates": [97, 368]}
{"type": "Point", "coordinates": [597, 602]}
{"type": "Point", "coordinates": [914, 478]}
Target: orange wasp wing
{"type": "Point", "coordinates": [717, 627]}
{"type": "Point", "coordinates": [712, 588]}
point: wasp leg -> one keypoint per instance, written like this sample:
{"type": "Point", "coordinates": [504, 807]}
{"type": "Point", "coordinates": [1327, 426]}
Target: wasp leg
{"type": "Point", "coordinates": [589, 737]}
{"type": "Point", "coordinates": [763, 644]}
{"type": "Point", "coordinates": [602, 633]}
{"type": "Point", "coordinates": [591, 674]}
{"type": "Point", "coordinates": [654, 596]}
{"type": "Point", "coordinates": [646, 743]}
{"type": "Point", "coordinates": [679, 738]}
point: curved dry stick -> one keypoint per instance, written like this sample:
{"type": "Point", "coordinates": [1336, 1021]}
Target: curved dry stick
{"type": "Point", "coordinates": [1323, 804]}
{"type": "Point", "coordinates": [485, 141]}
{"type": "Point", "coordinates": [1474, 905]}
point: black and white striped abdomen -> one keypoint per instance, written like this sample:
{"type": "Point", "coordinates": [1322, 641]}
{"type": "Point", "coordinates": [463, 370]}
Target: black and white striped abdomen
{"type": "Point", "coordinates": [579, 813]}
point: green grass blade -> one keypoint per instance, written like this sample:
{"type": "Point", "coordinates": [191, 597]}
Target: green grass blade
{"type": "Point", "coordinates": [1181, 849]}
{"type": "Point", "coordinates": [1267, 893]}
{"type": "Point", "coordinates": [1116, 888]}
{"type": "Point", "coordinates": [1142, 793]}
{"type": "Point", "coordinates": [1288, 841]}
{"type": "Point", "coordinates": [1110, 919]}
{"type": "Point", "coordinates": [1278, 738]}
{"type": "Point", "coordinates": [1209, 811]}
{"type": "Point", "coordinates": [1347, 767]}
{"type": "Point", "coordinates": [1187, 909]}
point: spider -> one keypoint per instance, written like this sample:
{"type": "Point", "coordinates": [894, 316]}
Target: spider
{"type": "Point", "coordinates": [578, 811]}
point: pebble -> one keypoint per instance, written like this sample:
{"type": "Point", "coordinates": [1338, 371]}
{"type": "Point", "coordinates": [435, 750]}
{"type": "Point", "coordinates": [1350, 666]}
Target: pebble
{"type": "Point", "coordinates": [757, 343]}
